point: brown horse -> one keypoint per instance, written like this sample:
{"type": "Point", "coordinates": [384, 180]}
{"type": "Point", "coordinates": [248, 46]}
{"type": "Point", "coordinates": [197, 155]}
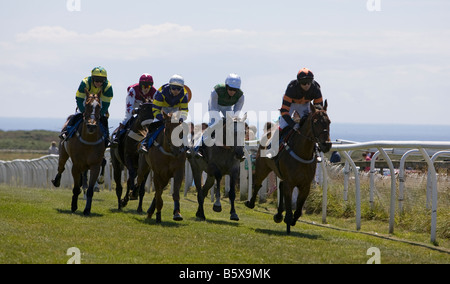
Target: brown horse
{"type": "Point", "coordinates": [126, 154]}
{"type": "Point", "coordinates": [167, 160]}
{"type": "Point", "coordinates": [295, 164]}
{"type": "Point", "coordinates": [86, 150]}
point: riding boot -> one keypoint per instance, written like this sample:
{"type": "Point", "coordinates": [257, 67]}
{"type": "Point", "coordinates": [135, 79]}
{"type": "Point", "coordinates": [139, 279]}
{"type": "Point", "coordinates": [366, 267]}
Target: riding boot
{"type": "Point", "coordinates": [70, 124]}
{"type": "Point", "coordinates": [117, 135]}
{"type": "Point", "coordinates": [143, 146]}
{"type": "Point", "coordinates": [104, 123]}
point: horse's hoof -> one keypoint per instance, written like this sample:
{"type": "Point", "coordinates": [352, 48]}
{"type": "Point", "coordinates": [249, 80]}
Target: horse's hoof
{"type": "Point", "coordinates": [177, 216]}
{"type": "Point", "coordinates": [56, 182]}
{"type": "Point", "coordinates": [86, 212]}
{"type": "Point", "coordinates": [139, 210]}
{"type": "Point", "coordinates": [234, 217]}
{"type": "Point", "coordinates": [200, 216]}
{"type": "Point", "coordinates": [158, 218]}
{"type": "Point", "coordinates": [124, 203]}
{"type": "Point", "coordinates": [248, 204]}
{"type": "Point", "coordinates": [278, 218]}
{"type": "Point", "coordinates": [217, 208]}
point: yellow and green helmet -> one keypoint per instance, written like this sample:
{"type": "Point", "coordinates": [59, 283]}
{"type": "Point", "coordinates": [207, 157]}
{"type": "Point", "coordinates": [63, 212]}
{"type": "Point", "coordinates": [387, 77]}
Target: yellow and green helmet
{"type": "Point", "coordinates": [99, 72]}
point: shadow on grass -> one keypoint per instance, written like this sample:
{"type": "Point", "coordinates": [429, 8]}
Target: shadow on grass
{"type": "Point", "coordinates": [78, 213]}
{"type": "Point", "coordinates": [292, 234]}
{"type": "Point", "coordinates": [167, 224]}
{"type": "Point", "coordinates": [130, 211]}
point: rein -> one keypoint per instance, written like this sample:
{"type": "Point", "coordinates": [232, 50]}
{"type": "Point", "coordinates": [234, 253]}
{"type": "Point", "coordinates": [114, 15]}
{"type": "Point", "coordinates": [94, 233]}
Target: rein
{"type": "Point", "coordinates": [313, 139]}
{"type": "Point", "coordinates": [102, 139]}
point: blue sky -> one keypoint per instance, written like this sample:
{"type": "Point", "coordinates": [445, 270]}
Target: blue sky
{"type": "Point", "coordinates": [388, 66]}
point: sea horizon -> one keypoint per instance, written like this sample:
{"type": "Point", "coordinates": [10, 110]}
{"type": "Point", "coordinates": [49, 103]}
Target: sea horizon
{"type": "Point", "coordinates": [358, 132]}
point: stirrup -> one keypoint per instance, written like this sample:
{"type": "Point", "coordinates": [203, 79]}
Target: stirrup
{"type": "Point", "coordinates": [143, 150]}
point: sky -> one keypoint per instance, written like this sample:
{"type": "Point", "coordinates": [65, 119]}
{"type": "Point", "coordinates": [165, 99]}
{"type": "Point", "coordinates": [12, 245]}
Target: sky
{"type": "Point", "coordinates": [377, 61]}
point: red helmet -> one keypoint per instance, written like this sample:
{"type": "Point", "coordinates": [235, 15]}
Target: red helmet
{"type": "Point", "coordinates": [146, 78]}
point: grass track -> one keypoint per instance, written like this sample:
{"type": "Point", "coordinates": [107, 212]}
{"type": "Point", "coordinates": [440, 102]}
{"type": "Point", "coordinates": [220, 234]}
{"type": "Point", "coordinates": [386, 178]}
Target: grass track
{"type": "Point", "coordinates": [36, 226]}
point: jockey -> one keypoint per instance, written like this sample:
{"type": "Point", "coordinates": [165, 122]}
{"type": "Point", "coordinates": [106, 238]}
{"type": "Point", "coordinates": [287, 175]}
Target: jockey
{"type": "Point", "coordinates": [170, 97]}
{"type": "Point", "coordinates": [298, 96]}
{"type": "Point", "coordinates": [225, 98]}
{"type": "Point", "coordinates": [94, 83]}
{"type": "Point", "coordinates": [137, 94]}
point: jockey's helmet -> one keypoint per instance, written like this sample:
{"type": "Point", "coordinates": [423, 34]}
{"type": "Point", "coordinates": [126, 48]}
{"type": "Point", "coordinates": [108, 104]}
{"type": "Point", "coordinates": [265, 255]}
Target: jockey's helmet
{"type": "Point", "coordinates": [146, 79]}
{"type": "Point", "coordinates": [305, 75]}
{"type": "Point", "coordinates": [233, 81]}
{"type": "Point", "coordinates": [99, 72]}
{"type": "Point", "coordinates": [176, 80]}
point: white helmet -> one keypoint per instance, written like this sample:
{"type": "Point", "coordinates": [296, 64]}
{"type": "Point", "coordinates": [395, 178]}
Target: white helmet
{"type": "Point", "coordinates": [234, 81]}
{"type": "Point", "coordinates": [176, 80]}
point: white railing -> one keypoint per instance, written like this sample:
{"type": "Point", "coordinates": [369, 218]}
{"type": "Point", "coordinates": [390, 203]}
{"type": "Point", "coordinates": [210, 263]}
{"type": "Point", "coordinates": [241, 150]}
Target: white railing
{"type": "Point", "coordinates": [382, 147]}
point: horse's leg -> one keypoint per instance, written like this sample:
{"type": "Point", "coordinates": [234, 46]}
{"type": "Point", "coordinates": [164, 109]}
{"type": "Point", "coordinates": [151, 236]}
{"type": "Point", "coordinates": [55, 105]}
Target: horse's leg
{"type": "Point", "coordinates": [207, 186]}
{"type": "Point", "coordinates": [303, 192]}
{"type": "Point", "coordinates": [132, 173]}
{"type": "Point", "coordinates": [94, 172]}
{"type": "Point", "coordinates": [232, 195]}
{"type": "Point", "coordinates": [287, 193]}
{"type": "Point", "coordinates": [261, 173]}
{"type": "Point", "coordinates": [76, 174]}
{"type": "Point", "coordinates": [217, 207]}
{"type": "Point", "coordinates": [142, 193]}
{"type": "Point", "coordinates": [177, 179]}
{"type": "Point", "coordinates": [159, 187]}
{"type": "Point", "coordinates": [279, 216]}
{"type": "Point", "coordinates": [101, 178]}
{"type": "Point", "coordinates": [84, 183]}
{"type": "Point", "coordinates": [197, 174]}
{"type": "Point", "coordinates": [63, 157]}
{"type": "Point", "coordinates": [118, 180]}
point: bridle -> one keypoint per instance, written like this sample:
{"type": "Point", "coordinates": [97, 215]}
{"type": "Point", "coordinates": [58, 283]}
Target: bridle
{"type": "Point", "coordinates": [314, 139]}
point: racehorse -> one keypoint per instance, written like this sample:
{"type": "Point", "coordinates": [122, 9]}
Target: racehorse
{"type": "Point", "coordinates": [221, 159]}
{"type": "Point", "coordinates": [86, 150]}
{"type": "Point", "coordinates": [167, 160]}
{"type": "Point", "coordinates": [295, 164]}
{"type": "Point", "coordinates": [126, 154]}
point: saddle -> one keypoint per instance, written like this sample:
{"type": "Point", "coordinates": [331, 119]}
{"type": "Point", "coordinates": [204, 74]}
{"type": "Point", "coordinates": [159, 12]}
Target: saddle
{"type": "Point", "coordinates": [74, 128]}
{"type": "Point", "coordinates": [285, 135]}
{"type": "Point", "coordinates": [152, 136]}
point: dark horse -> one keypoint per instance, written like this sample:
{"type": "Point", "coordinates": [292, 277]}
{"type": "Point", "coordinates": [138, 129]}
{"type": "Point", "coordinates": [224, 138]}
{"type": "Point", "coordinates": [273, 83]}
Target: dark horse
{"type": "Point", "coordinates": [221, 159]}
{"type": "Point", "coordinates": [295, 164]}
{"type": "Point", "coordinates": [126, 154]}
{"type": "Point", "coordinates": [86, 150]}
{"type": "Point", "coordinates": [167, 160]}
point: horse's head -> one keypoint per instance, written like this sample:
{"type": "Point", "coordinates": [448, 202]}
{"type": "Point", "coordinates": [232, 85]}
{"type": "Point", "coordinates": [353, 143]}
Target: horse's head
{"type": "Point", "coordinates": [235, 129]}
{"type": "Point", "coordinates": [92, 110]}
{"type": "Point", "coordinates": [320, 127]}
{"type": "Point", "coordinates": [174, 126]}
{"type": "Point", "coordinates": [145, 113]}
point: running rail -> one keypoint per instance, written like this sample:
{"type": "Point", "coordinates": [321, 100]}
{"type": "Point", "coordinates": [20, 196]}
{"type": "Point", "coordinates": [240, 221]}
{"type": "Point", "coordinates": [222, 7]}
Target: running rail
{"type": "Point", "coordinates": [381, 146]}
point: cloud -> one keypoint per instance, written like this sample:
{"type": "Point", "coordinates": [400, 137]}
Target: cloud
{"type": "Point", "coordinates": [359, 70]}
